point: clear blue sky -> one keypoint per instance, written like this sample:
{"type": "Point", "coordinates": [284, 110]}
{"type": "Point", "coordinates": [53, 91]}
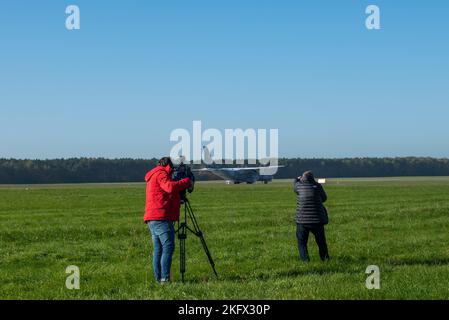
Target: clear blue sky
{"type": "Point", "coordinates": [139, 69]}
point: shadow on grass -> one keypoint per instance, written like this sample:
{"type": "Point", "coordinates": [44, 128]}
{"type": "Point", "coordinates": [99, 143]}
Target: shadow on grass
{"type": "Point", "coordinates": [341, 264]}
{"type": "Point", "coordinates": [338, 265]}
{"type": "Point", "coordinates": [429, 261]}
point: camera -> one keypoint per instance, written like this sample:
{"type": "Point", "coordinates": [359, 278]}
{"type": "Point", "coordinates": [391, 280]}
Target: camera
{"type": "Point", "coordinates": [181, 171]}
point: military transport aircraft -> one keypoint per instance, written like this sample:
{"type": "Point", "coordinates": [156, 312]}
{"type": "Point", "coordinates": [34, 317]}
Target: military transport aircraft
{"type": "Point", "coordinates": [239, 175]}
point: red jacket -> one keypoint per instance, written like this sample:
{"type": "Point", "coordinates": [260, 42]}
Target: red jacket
{"type": "Point", "coordinates": [162, 195]}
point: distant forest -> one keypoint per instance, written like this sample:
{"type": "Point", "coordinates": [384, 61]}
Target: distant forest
{"type": "Point", "coordinates": [83, 170]}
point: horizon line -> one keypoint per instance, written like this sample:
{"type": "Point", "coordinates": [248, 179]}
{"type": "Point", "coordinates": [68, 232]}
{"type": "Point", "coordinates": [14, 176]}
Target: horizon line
{"type": "Point", "coordinates": [280, 158]}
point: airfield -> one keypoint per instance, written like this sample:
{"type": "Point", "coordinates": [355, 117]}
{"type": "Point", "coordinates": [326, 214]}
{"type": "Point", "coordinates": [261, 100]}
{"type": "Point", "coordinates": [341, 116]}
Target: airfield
{"type": "Point", "coordinates": [399, 224]}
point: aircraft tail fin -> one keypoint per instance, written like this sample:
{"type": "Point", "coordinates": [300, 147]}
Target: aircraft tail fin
{"type": "Point", "coordinates": [207, 159]}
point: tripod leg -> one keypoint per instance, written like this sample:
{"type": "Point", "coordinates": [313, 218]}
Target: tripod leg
{"type": "Point", "coordinates": [183, 259]}
{"type": "Point", "coordinates": [197, 231]}
{"type": "Point", "coordinates": [209, 256]}
{"type": "Point", "coordinates": [182, 235]}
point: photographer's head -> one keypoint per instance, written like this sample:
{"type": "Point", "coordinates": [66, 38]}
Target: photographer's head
{"type": "Point", "coordinates": [165, 161]}
{"type": "Point", "coordinates": [308, 177]}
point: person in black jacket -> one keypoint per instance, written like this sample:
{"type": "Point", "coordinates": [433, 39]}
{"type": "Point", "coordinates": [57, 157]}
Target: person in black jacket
{"type": "Point", "coordinates": [311, 215]}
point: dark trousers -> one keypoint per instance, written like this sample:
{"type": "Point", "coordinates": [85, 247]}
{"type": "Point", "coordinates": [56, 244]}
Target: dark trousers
{"type": "Point", "coordinates": [302, 233]}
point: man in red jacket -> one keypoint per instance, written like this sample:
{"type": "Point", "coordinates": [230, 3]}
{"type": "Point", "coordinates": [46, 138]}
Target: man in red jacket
{"type": "Point", "coordinates": [161, 211]}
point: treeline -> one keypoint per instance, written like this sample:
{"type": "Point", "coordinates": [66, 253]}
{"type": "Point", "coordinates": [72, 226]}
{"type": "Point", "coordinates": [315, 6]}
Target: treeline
{"type": "Point", "coordinates": [366, 167]}
{"type": "Point", "coordinates": [76, 170]}
{"type": "Point", "coordinates": [79, 170]}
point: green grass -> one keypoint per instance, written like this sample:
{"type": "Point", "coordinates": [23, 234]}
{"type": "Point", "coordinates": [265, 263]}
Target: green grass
{"type": "Point", "coordinates": [401, 225]}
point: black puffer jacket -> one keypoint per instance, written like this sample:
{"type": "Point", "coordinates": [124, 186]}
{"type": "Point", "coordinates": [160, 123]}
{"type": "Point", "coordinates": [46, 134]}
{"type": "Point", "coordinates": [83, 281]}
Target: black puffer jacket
{"type": "Point", "coordinates": [310, 208]}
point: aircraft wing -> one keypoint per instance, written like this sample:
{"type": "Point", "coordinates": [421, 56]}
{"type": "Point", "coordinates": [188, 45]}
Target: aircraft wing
{"type": "Point", "coordinates": [245, 174]}
{"type": "Point", "coordinates": [237, 169]}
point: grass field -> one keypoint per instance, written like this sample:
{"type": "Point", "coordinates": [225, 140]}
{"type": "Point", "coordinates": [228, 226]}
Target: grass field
{"type": "Point", "coordinates": [401, 225]}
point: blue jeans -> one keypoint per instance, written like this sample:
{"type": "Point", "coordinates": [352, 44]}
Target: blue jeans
{"type": "Point", "coordinates": [163, 235]}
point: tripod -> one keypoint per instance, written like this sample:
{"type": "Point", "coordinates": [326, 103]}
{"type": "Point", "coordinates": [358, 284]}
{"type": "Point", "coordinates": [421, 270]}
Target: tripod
{"type": "Point", "coordinates": [182, 236]}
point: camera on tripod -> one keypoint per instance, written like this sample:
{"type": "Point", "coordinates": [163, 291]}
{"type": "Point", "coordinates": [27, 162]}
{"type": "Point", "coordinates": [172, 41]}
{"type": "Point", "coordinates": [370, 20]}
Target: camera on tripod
{"type": "Point", "coordinates": [181, 171]}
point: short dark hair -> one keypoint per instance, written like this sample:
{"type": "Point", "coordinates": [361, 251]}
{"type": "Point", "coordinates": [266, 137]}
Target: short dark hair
{"type": "Point", "coordinates": [165, 161]}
